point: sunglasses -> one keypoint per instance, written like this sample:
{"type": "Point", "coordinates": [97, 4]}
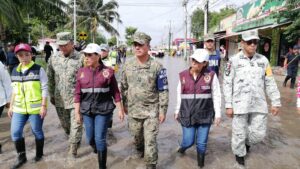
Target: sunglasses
{"type": "Point", "coordinates": [253, 41]}
{"type": "Point", "coordinates": [137, 44]}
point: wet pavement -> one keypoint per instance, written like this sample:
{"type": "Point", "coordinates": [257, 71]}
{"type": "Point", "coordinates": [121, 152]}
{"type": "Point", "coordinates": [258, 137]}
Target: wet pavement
{"type": "Point", "coordinates": [280, 149]}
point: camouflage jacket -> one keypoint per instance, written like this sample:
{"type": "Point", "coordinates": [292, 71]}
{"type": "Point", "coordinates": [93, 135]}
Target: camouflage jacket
{"type": "Point", "coordinates": [245, 83]}
{"type": "Point", "coordinates": [61, 72]}
{"type": "Point", "coordinates": [139, 89]}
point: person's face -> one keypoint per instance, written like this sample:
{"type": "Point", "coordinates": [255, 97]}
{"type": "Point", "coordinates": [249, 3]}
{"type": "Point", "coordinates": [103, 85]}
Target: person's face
{"type": "Point", "coordinates": [24, 57]}
{"type": "Point", "coordinates": [103, 54]}
{"type": "Point", "coordinates": [250, 46]}
{"type": "Point", "coordinates": [295, 51]}
{"type": "Point", "coordinates": [66, 49]}
{"type": "Point", "coordinates": [210, 45]}
{"type": "Point", "coordinates": [141, 50]}
{"type": "Point", "coordinates": [196, 66]}
{"type": "Point", "coordinates": [266, 47]}
{"type": "Point", "coordinates": [91, 59]}
{"type": "Point", "coordinates": [11, 47]}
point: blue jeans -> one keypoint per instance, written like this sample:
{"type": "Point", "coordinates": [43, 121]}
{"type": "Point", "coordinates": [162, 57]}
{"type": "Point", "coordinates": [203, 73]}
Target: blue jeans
{"type": "Point", "coordinates": [188, 137]}
{"type": "Point", "coordinates": [18, 122]}
{"type": "Point", "coordinates": [96, 129]}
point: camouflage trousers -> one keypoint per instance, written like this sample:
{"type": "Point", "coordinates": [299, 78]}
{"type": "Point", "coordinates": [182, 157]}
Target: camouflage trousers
{"type": "Point", "coordinates": [247, 129]}
{"type": "Point", "coordinates": [69, 124]}
{"type": "Point", "coordinates": [145, 133]}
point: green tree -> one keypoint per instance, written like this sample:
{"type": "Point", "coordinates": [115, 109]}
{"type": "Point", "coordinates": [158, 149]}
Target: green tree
{"type": "Point", "coordinates": [129, 32]}
{"type": "Point", "coordinates": [112, 41]}
{"type": "Point", "coordinates": [292, 13]}
{"type": "Point", "coordinates": [94, 13]}
{"type": "Point", "coordinates": [197, 27]}
{"type": "Point", "coordinates": [214, 18]}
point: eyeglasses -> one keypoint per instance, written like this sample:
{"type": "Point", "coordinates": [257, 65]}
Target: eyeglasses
{"type": "Point", "coordinates": [253, 41]}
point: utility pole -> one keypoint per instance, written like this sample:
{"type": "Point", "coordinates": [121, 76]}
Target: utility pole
{"type": "Point", "coordinates": [185, 34]}
{"type": "Point", "coordinates": [170, 34]}
{"type": "Point", "coordinates": [74, 29]}
{"type": "Point", "coordinates": [206, 17]}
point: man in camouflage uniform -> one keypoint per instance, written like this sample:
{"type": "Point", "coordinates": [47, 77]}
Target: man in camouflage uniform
{"type": "Point", "coordinates": [144, 90]}
{"type": "Point", "coordinates": [61, 72]}
{"type": "Point", "coordinates": [246, 77]}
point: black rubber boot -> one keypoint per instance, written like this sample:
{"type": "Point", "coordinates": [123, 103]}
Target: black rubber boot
{"type": "Point", "coordinates": [39, 150]}
{"type": "Point", "coordinates": [181, 150]}
{"type": "Point", "coordinates": [150, 166]}
{"type": "Point", "coordinates": [102, 156]}
{"type": "Point", "coordinates": [247, 148]}
{"type": "Point", "coordinates": [20, 147]}
{"type": "Point", "coordinates": [0, 149]}
{"type": "Point", "coordinates": [240, 160]}
{"type": "Point", "coordinates": [200, 159]}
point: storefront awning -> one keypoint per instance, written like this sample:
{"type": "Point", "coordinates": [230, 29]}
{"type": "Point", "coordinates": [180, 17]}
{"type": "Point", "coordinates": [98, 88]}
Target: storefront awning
{"type": "Point", "coordinates": [261, 28]}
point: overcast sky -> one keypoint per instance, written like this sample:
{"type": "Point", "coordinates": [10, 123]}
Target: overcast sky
{"type": "Point", "coordinates": [154, 16]}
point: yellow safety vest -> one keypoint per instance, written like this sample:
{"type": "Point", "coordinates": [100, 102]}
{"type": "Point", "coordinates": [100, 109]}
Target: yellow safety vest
{"type": "Point", "coordinates": [27, 89]}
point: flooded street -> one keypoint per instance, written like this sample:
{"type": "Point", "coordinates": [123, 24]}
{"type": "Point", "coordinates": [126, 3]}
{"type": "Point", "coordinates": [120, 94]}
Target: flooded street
{"type": "Point", "coordinates": [280, 149]}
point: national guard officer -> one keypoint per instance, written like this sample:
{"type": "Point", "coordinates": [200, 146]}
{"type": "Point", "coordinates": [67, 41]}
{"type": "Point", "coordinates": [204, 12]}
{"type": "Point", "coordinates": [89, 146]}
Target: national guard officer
{"type": "Point", "coordinates": [246, 76]}
{"type": "Point", "coordinates": [144, 91]}
{"type": "Point", "coordinates": [61, 72]}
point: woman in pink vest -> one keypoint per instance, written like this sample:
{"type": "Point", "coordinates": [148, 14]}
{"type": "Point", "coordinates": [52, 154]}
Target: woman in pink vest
{"type": "Point", "coordinates": [198, 104]}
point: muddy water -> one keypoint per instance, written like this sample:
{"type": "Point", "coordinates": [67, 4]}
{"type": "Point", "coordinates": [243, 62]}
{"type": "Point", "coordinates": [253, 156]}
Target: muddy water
{"type": "Point", "coordinates": [280, 149]}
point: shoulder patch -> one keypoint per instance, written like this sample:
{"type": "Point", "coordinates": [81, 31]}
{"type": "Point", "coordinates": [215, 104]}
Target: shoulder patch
{"type": "Point", "coordinates": [269, 71]}
{"type": "Point", "coordinates": [105, 73]}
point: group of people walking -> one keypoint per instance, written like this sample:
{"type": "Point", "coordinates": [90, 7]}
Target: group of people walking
{"type": "Point", "coordinates": [84, 90]}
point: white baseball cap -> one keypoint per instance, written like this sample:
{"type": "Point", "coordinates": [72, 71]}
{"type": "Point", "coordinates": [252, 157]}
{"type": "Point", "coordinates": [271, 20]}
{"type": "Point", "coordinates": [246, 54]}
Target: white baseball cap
{"type": "Point", "coordinates": [200, 55]}
{"type": "Point", "coordinates": [92, 48]}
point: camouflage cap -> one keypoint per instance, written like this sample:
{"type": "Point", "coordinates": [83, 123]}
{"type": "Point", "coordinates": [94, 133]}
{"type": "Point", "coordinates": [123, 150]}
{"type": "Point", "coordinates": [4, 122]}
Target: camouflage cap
{"type": "Point", "coordinates": [104, 47]}
{"type": "Point", "coordinates": [62, 38]}
{"type": "Point", "coordinates": [249, 35]}
{"type": "Point", "coordinates": [209, 37]}
{"type": "Point", "coordinates": [141, 38]}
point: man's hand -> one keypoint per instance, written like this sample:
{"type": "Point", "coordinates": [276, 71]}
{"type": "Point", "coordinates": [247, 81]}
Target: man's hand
{"type": "Point", "coordinates": [162, 118]}
{"type": "Point", "coordinates": [52, 100]}
{"type": "Point", "coordinates": [121, 115]}
{"type": "Point", "coordinates": [229, 112]}
{"type": "Point", "coordinates": [78, 118]}
{"type": "Point", "coordinates": [274, 110]}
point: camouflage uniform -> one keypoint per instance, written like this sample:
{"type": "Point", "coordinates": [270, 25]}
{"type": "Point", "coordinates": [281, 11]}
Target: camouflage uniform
{"type": "Point", "coordinates": [61, 73]}
{"type": "Point", "coordinates": [245, 82]}
{"type": "Point", "coordinates": [144, 102]}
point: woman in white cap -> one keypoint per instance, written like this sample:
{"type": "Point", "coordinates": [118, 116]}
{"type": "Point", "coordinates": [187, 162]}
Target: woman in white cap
{"type": "Point", "coordinates": [28, 102]}
{"type": "Point", "coordinates": [96, 93]}
{"type": "Point", "coordinates": [198, 104]}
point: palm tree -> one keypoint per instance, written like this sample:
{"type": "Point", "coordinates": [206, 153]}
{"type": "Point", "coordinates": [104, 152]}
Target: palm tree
{"type": "Point", "coordinates": [93, 13]}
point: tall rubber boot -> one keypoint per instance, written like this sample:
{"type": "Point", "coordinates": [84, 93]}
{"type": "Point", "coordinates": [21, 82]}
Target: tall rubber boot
{"type": "Point", "coordinates": [240, 160]}
{"type": "Point", "coordinates": [102, 156]}
{"type": "Point", "coordinates": [39, 144]}
{"type": "Point", "coordinates": [200, 159]}
{"type": "Point", "coordinates": [20, 147]}
{"type": "Point", "coordinates": [93, 145]}
{"type": "Point", "coordinates": [0, 149]}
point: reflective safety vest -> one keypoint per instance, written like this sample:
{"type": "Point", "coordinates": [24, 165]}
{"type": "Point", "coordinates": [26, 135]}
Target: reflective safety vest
{"type": "Point", "coordinates": [27, 89]}
{"type": "Point", "coordinates": [113, 56]}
